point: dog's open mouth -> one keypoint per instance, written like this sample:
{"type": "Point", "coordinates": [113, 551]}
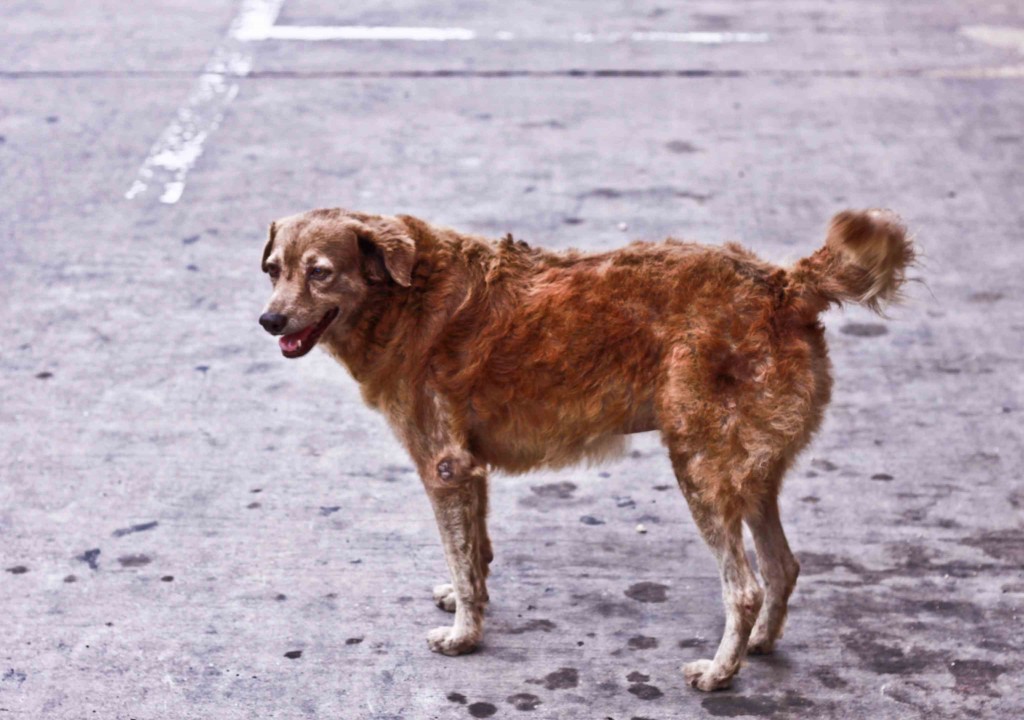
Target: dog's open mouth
{"type": "Point", "coordinates": [299, 343]}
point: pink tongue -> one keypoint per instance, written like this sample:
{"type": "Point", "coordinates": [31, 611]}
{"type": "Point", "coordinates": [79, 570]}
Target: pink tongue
{"type": "Point", "coordinates": [291, 342]}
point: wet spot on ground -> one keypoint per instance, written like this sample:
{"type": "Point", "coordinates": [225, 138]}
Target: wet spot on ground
{"type": "Point", "coordinates": [70, 579]}
{"type": "Point", "coordinates": [637, 676]}
{"type": "Point", "coordinates": [591, 520]}
{"type": "Point", "coordinates": [90, 558]}
{"type": "Point", "coordinates": [985, 297]}
{"type": "Point", "coordinates": [17, 570]}
{"type": "Point", "coordinates": [15, 676]}
{"type": "Point", "coordinates": [44, 375]}
{"type": "Point", "coordinates": [681, 147]}
{"type": "Point", "coordinates": [135, 560]}
{"type": "Point", "coordinates": [642, 642]}
{"type": "Point", "coordinates": [326, 510]}
{"type": "Point", "coordinates": [864, 329]}
{"type": "Point", "coordinates": [293, 654]}
{"type": "Point", "coordinates": [647, 592]}
{"type": "Point", "coordinates": [884, 659]}
{"type": "Point", "coordinates": [645, 691]}
{"type": "Point", "coordinates": [353, 641]}
{"type": "Point", "coordinates": [829, 678]}
{"type": "Point", "coordinates": [538, 625]}
{"type": "Point", "coordinates": [559, 490]}
{"type": "Point", "coordinates": [561, 679]}
{"type": "Point", "coordinates": [167, 578]}
{"type": "Point", "coordinates": [1005, 545]}
{"type": "Point", "coordinates": [191, 239]}
{"type": "Point", "coordinates": [482, 709]}
{"type": "Point", "coordinates": [457, 698]}
{"type": "Point", "coordinates": [976, 677]}
{"type": "Point", "coordinates": [523, 701]}
{"type": "Point", "coordinates": [141, 527]}
{"type": "Point", "coordinates": [882, 477]}
{"type": "Point", "coordinates": [756, 705]}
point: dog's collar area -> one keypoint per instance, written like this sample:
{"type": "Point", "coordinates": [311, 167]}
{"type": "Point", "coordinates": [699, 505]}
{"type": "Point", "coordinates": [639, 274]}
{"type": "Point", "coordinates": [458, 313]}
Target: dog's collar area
{"type": "Point", "coordinates": [299, 343]}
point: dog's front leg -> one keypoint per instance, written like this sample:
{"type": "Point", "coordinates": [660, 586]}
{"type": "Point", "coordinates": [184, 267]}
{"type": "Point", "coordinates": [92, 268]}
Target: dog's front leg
{"type": "Point", "coordinates": [457, 486]}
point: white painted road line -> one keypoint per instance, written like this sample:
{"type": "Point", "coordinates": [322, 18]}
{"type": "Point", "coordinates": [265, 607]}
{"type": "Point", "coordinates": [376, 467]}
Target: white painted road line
{"type": "Point", "coordinates": [321, 33]}
{"type": "Point", "coordinates": [181, 143]}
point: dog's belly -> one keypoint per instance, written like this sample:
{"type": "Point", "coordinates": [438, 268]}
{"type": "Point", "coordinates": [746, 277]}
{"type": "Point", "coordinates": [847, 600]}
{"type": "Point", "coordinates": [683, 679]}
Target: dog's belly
{"type": "Point", "coordinates": [522, 437]}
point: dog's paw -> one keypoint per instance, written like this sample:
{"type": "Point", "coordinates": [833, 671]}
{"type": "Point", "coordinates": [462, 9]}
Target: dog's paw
{"type": "Point", "coordinates": [444, 597]}
{"type": "Point", "coordinates": [444, 640]}
{"type": "Point", "coordinates": [698, 675]}
{"type": "Point", "coordinates": [760, 644]}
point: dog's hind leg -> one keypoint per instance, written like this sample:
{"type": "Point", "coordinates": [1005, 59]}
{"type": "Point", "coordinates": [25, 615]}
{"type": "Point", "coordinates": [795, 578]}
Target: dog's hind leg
{"type": "Point", "coordinates": [778, 568]}
{"type": "Point", "coordinates": [457, 487]}
{"type": "Point", "coordinates": [720, 523]}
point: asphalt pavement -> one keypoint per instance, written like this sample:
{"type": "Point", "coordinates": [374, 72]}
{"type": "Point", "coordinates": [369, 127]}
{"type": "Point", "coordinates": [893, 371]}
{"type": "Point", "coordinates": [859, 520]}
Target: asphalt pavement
{"type": "Point", "coordinates": [192, 526]}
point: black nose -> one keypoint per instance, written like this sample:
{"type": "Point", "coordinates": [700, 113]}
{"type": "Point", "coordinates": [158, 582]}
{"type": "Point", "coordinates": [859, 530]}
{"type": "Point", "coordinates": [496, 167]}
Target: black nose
{"type": "Point", "coordinates": [273, 323]}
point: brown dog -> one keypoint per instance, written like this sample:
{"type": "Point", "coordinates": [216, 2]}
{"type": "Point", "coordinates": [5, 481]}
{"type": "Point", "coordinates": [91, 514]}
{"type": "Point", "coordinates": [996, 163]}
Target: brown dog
{"type": "Point", "coordinates": [487, 354]}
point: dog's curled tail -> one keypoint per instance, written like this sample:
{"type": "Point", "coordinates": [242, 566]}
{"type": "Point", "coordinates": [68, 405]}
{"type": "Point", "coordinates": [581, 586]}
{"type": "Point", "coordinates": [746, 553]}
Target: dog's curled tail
{"type": "Point", "coordinates": [864, 260]}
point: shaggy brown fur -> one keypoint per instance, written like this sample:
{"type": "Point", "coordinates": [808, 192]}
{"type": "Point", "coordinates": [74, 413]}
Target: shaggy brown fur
{"type": "Point", "coordinates": [498, 355]}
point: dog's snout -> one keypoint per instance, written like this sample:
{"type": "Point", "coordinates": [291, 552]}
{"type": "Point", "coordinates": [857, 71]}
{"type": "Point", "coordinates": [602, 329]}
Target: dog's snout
{"type": "Point", "coordinates": [273, 323]}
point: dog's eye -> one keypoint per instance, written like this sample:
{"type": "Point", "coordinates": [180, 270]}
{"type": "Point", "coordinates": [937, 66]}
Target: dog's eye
{"type": "Point", "coordinates": [318, 273]}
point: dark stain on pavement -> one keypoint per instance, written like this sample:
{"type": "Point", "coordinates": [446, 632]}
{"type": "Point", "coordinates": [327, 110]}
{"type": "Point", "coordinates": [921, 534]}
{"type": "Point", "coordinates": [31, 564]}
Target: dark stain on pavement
{"type": "Point", "coordinates": [561, 679]}
{"type": "Point", "coordinates": [559, 490]}
{"type": "Point", "coordinates": [44, 375]}
{"type": "Point", "coordinates": [482, 709]}
{"type": "Point", "coordinates": [882, 477]}
{"type": "Point", "coordinates": [523, 701]}
{"type": "Point", "coordinates": [864, 329]}
{"type": "Point", "coordinates": [1005, 545]}
{"type": "Point", "coordinates": [17, 570]}
{"type": "Point", "coordinates": [141, 527]}
{"type": "Point", "coordinates": [642, 642]}
{"type": "Point", "coordinates": [591, 520]}
{"type": "Point", "coordinates": [137, 560]}
{"type": "Point", "coordinates": [457, 698]}
{"type": "Point", "coordinates": [647, 592]}
{"type": "Point", "coordinates": [326, 510]}
{"type": "Point", "coordinates": [537, 625]}
{"type": "Point", "coordinates": [829, 678]}
{"type": "Point", "coordinates": [637, 676]}
{"type": "Point", "coordinates": [645, 691]}
{"type": "Point", "coordinates": [90, 558]}
{"type": "Point", "coordinates": [976, 677]}
{"type": "Point", "coordinates": [883, 659]}
{"type": "Point", "coordinates": [756, 705]}
{"type": "Point", "coordinates": [353, 641]}
{"type": "Point", "coordinates": [293, 654]}
{"type": "Point", "coordinates": [681, 147]}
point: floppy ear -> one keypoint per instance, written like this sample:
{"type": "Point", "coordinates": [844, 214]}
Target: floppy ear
{"type": "Point", "coordinates": [387, 250]}
{"type": "Point", "coordinates": [269, 246]}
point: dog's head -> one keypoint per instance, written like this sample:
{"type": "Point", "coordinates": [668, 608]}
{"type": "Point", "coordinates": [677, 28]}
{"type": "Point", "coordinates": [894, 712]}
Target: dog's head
{"type": "Point", "coordinates": [323, 264]}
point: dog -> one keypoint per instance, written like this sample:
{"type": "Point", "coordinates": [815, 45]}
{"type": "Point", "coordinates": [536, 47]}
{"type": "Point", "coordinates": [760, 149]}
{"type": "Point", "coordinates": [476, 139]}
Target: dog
{"type": "Point", "coordinates": [495, 355]}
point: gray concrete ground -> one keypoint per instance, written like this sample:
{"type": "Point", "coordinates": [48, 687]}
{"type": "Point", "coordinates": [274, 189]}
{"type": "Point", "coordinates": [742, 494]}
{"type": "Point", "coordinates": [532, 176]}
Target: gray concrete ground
{"type": "Point", "coordinates": [183, 512]}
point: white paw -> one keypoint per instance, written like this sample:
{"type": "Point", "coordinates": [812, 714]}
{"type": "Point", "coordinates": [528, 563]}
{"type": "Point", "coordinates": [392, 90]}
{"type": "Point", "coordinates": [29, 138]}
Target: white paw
{"type": "Point", "coordinates": [698, 675]}
{"type": "Point", "coordinates": [444, 640]}
{"type": "Point", "coordinates": [444, 597]}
